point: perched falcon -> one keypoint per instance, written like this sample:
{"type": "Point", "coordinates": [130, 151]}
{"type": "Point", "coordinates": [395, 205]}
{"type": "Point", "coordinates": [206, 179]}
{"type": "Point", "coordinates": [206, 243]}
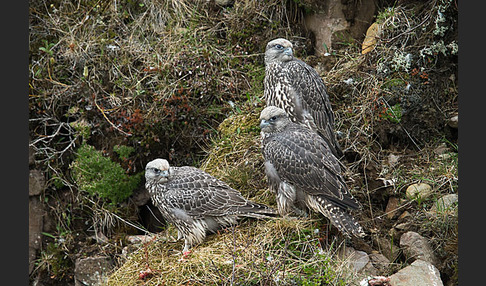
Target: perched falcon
{"type": "Point", "coordinates": [195, 202]}
{"type": "Point", "coordinates": [297, 88]}
{"type": "Point", "coordinates": [303, 172]}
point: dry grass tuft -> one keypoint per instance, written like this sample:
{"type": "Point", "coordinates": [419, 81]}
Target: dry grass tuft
{"type": "Point", "coordinates": [273, 252]}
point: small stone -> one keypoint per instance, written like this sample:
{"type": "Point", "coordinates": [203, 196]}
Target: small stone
{"type": "Point", "coordinates": [453, 122]}
{"type": "Point", "coordinates": [417, 247]}
{"type": "Point", "coordinates": [359, 259]}
{"type": "Point", "coordinates": [387, 247]}
{"type": "Point", "coordinates": [36, 182]}
{"type": "Point", "coordinates": [441, 149]}
{"type": "Point", "coordinates": [137, 239]}
{"type": "Point", "coordinates": [405, 215]}
{"type": "Point", "coordinates": [393, 160]}
{"type": "Point", "coordinates": [420, 190]}
{"type": "Point", "coordinates": [402, 226]}
{"type": "Point", "coordinates": [380, 262]}
{"type": "Point", "coordinates": [391, 206]}
{"type": "Point", "coordinates": [419, 273]}
{"type": "Point", "coordinates": [92, 271]}
{"type": "Point", "coordinates": [444, 203]}
{"type": "Point", "coordinates": [445, 156]}
{"type": "Point", "coordinates": [36, 225]}
{"type": "Point", "coordinates": [31, 156]}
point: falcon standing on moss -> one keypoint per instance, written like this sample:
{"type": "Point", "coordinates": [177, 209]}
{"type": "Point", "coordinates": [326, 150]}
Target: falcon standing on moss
{"type": "Point", "coordinates": [195, 202]}
{"type": "Point", "coordinates": [303, 172]}
{"type": "Point", "coordinates": [297, 88]}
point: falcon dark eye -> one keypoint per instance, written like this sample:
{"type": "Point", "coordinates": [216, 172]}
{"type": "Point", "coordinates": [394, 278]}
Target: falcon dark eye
{"type": "Point", "coordinates": [156, 171]}
{"type": "Point", "coordinates": [278, 46]}
{"type": "Point", "coordinates": [273, 118]}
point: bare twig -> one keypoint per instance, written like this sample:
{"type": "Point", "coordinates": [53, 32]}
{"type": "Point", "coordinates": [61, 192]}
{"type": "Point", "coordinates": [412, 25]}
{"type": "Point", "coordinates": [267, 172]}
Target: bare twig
{"type": "Point", "coordinates": [109, 121]}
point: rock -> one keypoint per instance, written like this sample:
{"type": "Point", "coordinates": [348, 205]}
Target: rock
{"type": "Point", "coordinates": [420, 190]}
{"type": "Point", "coordinates": [92, 271]}
{"type": "Point", "coordinates": [441, 149]}
{"type": "Point", "coordinates": [445, 156]}
{"type": "Point", "coordinates": [453, 122]}
{"type": "Point", "coordinates": [329, 17]}
{"type": "Point", "coordinates": [99, 238]}
{"type": "Point", "coordinates": [380, 262]}
{"type": "Point", "coordinates": [387, 247]}
{"type": "Point", "coordinates": [416, 246]}
{"type": "Point", "coordinates": [36, 213]}
{"type": "Point", "coordinates": [359, 260]}
{"type": "Point", "coordinates": [138, 239]}
{"type": "Point", "coordinates": [445, 203]}
{"type": "Point", "coordinates": [419, 273]}
{"type": "Point", "coordinates": [36, 182]}
{"type": "Point", "coordinates": [324, 24]}
{"type": "Point", "coordinates": [404, 216]}
{"type": "Point", "coordinates": [391, 206]}
{"type": "Point", "coordinates": [31, 156]}
{"type": "Point", "coordinates": [393, 160]}
{"type": "Point", "coordinates": [402, 226]}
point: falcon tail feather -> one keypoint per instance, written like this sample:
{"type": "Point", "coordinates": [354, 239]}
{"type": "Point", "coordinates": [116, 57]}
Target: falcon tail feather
{"type": "Point", "coordinates": [339, 217]}
{"type": "Point", "coordinates": [256, 210]}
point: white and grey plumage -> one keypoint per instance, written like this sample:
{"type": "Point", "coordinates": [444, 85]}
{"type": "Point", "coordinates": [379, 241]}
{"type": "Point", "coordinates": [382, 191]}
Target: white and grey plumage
{"type": "Point", "coordinates": [296, 87]}
{"type": "Point", "coordinates": [303, 172]}
{"type": "Point", "coordinates": [196, 202]}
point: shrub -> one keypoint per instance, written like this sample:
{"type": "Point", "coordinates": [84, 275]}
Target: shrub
{"type": "Point", "coordinates": [99, 175]}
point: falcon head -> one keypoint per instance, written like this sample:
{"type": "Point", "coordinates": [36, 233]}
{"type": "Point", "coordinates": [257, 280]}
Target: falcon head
{"type": "Point", "coordinates": [273, 119]}
{"type": "Point", "coordinates": [278, 50]}
{"type": "Point", "coordinates": [157, 171]}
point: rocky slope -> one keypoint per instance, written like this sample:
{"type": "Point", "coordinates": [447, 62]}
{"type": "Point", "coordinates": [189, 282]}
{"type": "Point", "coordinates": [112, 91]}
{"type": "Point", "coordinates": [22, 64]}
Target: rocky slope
{"type": "Point", "coordinates": [115, 84]}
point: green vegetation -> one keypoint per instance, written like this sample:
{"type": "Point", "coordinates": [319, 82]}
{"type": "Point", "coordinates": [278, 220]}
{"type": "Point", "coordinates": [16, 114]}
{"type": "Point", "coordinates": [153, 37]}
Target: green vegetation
{"type": "Point", "coordinates": [99, 176]}
{"type": "Point", "coordinates": [115, 84]}
{"type": "Point", "coordinates": [271, 252]}
{"type": "Point", "coordinates": [123, 151]}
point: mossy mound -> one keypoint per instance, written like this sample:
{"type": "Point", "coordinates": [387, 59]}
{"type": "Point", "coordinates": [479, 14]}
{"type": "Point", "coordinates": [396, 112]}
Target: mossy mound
{"type": "Point", "coordinates": [235, 156]}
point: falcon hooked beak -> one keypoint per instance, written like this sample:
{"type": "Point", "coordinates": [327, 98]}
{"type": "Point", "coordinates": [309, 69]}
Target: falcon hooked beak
{"type": "Point", "coordinates": [264, 124]}
{"type": "Point", "coordinates": [288, 52]}
{"type": "Point", "coordinates": [273, 119]}
{"type": "Point", "coordinates": [279, 50]}
{"type": "Point", "coordinates": [157, 170]}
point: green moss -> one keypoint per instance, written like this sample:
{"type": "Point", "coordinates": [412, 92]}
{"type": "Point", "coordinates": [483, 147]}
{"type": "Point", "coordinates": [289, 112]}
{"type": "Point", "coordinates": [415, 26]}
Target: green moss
{"type": "Point", "coordinates": [99, 175]}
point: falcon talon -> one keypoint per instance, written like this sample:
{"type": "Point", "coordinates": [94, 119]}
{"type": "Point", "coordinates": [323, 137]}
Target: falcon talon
{"type": "Point", "coordinates": [185, 254]}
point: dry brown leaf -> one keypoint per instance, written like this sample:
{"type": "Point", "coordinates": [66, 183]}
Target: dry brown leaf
{"type": "Point", "coordinates": [371, 38]}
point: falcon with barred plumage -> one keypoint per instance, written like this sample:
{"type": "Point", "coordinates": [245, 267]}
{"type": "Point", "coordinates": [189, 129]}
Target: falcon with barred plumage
{"type": "Point", "coordinates": [196, 202]}
{"type": "Point", "coordinates": [303, 172]}
{"type": "Point", "coordinates": [297, 88]}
